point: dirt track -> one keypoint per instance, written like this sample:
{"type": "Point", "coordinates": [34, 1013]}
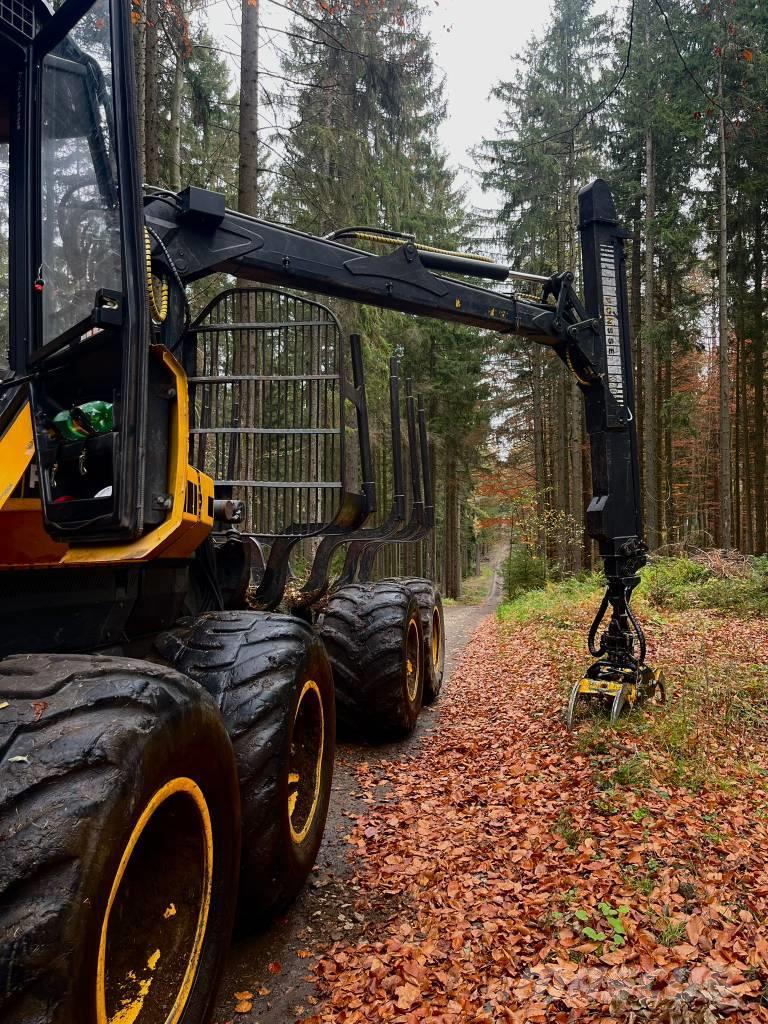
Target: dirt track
{"type": "Point", "coordinates": [276, 962]}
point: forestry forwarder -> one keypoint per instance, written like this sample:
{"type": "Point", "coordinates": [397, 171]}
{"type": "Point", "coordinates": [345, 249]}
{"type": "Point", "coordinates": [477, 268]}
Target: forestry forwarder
{"type": "Point", "coordinates": [120, 795]}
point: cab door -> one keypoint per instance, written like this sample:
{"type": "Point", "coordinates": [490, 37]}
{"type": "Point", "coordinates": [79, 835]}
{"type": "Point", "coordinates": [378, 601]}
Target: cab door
{"type": "Point", "coordinates": [86, 343]}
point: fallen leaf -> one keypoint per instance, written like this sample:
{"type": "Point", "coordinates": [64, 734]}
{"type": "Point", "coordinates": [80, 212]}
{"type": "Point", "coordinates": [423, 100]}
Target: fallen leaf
{"type": "Point", "coordinates": [694, 928]}
{"type": "Point", "coordinates": [486, 859]}
{"type": "Point", "coordinates": [38, 707]}
{"type": "Point", "coordinates": [407, 995]}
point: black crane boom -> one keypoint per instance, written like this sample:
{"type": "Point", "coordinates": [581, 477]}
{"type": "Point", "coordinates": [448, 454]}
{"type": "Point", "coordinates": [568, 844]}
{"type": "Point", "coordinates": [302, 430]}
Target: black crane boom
{"type": "Point", "coordinates": [195, 235]}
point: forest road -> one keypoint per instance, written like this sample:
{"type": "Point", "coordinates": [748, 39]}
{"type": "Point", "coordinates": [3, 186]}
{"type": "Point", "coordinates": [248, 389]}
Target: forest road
{"type": "Point", "coordinates": [274, 965]}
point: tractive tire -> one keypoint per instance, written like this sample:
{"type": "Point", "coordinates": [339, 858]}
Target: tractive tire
{"type": "Point", "coordinates": [97, 754]}
{"type": "Point", "coordinates": [433, 625]}
{"type": "Point", "coordinates": [374, 639]}
{"type": "Point", "coordinates": [270, 677]}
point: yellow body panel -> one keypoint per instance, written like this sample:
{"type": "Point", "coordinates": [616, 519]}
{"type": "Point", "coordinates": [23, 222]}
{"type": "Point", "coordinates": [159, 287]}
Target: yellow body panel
{"type": "Point", "coordinates": [598, 687]}
{"type": "Point", "coordinates": [605, 688]}
{"type": "Point", "coordinates": [24, 542]}
{"type": "Point", "coordinates": [17, 449]}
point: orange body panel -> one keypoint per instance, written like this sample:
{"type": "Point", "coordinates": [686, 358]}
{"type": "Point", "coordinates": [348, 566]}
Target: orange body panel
{"type": "Point", "coordinates": [23, 541]}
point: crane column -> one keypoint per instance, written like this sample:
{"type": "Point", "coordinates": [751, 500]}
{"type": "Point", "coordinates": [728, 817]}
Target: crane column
{"type": "Point", "coordinates": [614, 516]}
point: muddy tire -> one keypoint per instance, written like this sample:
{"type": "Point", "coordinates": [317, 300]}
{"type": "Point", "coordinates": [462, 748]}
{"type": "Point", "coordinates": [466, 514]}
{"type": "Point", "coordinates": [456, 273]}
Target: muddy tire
{"type": "Point", "coordinates": [374, 639]}
{"type": "Point", "coordinates": [433, 626]}
{"type": "Point", "coordinates": [270, 677]}
{"type": "Point", "coordinates": [119, 825]}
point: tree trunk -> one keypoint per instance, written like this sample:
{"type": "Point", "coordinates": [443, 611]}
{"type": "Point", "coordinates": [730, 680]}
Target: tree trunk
{"type": "Point", "coordinates": [452, 532]}
{"type": "Point", "coordinates": [636, 313]}
{"type": "Point", "coordinates": [737, 453]}
{"type": "Point", "coordinates": [669, 519]}
{"type": "Point", "coordinates": [538, 444]}
{"type": "Point", "coordinates": [152, 95]}
{"type": "Point", "coordinates": [246, 357]}
{"type": "Point", "coordinates": [248, 194]}
{"type": "Point", "coordinates": [758, 384]}
{"type": "Point", "coordinates": [174, 170]}
{"type": "Point", "coordinates": [576, 509]}
{"type": "Point", "coordinates": [742, 491]}
{"type": "Point", "coordinates": [724, 473]}
{"type": "Point", "coordinates": [749, 518]}
{"type": "Point", "coordinates": [434, 569]}
{"type": "Point", "coordinates": [590, 546]}
{"type": "Point", "coordinates": [650, 431]}
{"type": "Point", "coordinates": [562, 546]}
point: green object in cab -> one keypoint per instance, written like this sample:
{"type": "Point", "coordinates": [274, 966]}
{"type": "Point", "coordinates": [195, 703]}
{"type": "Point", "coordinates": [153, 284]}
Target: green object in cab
{"type": "Point", "coordinates": [84, 420]}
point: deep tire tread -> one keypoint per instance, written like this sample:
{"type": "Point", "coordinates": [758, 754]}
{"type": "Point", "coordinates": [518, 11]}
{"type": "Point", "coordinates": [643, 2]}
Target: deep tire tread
{"type": "Point", "coordinates": [363, 628]}
{"type": "Point", "coordinates": [248, 662]}
{"type": "Point", "coordinates": [428, 595]}
{"type": "Point", "coordinates": [76, 719]}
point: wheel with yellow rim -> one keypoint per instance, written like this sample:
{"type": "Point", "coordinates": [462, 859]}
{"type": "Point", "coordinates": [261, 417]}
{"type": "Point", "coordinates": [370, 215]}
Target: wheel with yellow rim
{"type": "Point", "coordinates": [119, 808]}
{"type": "Point", "coordinates": [270, 677]}
{"type": "Point", "coordinates": [433, 627]}
{"type": "Point", "coordinates": [375, 642]}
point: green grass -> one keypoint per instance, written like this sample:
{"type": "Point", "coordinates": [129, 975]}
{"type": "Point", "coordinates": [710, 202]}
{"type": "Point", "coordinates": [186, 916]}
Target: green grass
{"type": "Point", "coordinates": [565, 827]}
{"type": "Point", "coordinates": [672, 933]}
{"type": "Point", "coordinates": [682, 583]}
{"type": "Point", "coordinates": [676, 584]}
{"type": "Point", "coordinates": [556, 602]}
{"type": "Point", "coordinates": [633, 772]}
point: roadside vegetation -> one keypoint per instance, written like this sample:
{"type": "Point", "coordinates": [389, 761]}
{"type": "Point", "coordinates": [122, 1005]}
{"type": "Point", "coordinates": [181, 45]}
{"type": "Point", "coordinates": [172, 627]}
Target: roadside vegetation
{"type": "Point", "coordinates": [703, 613]}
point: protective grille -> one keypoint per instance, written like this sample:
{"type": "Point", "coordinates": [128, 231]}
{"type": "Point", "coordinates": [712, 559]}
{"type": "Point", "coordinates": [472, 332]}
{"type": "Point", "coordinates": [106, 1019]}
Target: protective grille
{"type": "Point", "coordinates": [267, 408]}
{"type": "Point", "coordinates": [19, 15]}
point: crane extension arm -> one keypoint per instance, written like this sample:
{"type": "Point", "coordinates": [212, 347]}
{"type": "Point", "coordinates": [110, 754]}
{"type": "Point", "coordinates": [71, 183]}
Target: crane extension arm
{"type": "Point", "coordinates": [194, 235]}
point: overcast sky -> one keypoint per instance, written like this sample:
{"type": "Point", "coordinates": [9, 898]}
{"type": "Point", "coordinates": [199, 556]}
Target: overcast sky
{"type": "Point", "coordinates": [474, 43]}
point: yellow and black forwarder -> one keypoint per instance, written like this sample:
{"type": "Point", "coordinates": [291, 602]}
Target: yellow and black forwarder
{"type": "Point", "coordinates": [157, 714]}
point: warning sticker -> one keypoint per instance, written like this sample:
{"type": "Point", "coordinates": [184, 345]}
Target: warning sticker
{"type": "Point", "coordinates": [611, 320]}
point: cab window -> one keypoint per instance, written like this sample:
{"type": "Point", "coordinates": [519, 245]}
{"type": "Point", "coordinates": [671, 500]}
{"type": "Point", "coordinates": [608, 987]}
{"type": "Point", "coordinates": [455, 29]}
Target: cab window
{"type": "Point", "coordinates": [5, 105]}
{"type": "Point", "coordinates": [80, 214]}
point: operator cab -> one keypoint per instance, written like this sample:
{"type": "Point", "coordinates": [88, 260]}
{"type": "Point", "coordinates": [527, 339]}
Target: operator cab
{"type": "Point", "coordinates": [71, 249]}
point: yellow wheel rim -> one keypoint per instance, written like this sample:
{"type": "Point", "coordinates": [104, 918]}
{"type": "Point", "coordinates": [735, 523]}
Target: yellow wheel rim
{"type": "Point", "coordinates": [437, 640]}
{"type": "Point", "coordinates": [412, 660]}
{"type": "Point", "coordinates": [154, 924]}
{"type": "Point", "coordinates": [305, 765]}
